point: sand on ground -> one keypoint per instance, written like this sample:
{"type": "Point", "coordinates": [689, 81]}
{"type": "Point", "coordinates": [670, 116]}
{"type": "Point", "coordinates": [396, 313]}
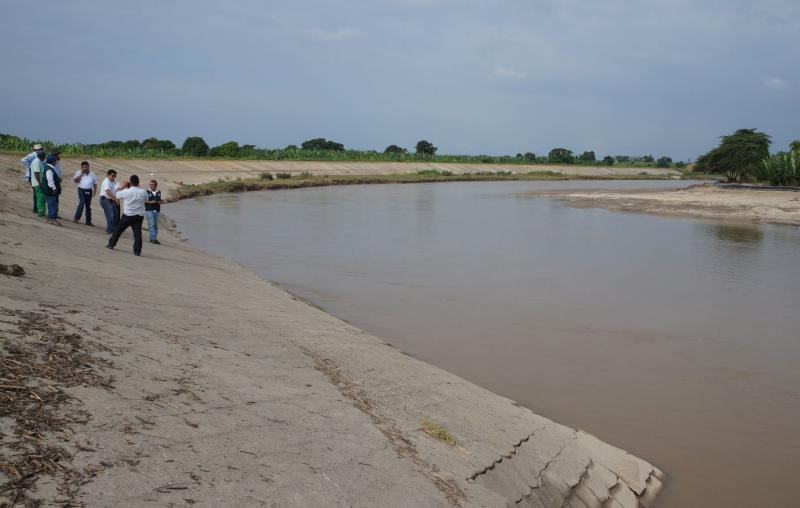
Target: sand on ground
{"type": "Point", "coordinates": [217, 388]}
{"type": "Point", "coordinates": [704, 201]}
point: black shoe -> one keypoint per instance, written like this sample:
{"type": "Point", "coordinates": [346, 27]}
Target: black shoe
{"type": "Point", "coordinates": [109, 246]}
{"type": "Point", "coordinates": [75, 221]}
{"type": "Point", "coordinates": [89, 224]}
{"type": "Point", "coordinates": [155, 242]}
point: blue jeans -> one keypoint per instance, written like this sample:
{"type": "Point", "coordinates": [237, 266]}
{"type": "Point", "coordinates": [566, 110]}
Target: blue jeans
{"type": "Point", "coordinates": [112, 213]}
{"type": "Point", "coordinates": [152, 223]}
{"type": "Point", "coordinates": [84, 199]}
{"type": "Point", "coordinates": [52, 207]}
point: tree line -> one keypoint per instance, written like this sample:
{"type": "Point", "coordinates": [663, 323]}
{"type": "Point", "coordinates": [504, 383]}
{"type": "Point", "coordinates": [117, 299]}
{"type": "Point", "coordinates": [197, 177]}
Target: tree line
{"type": "Point", "coordinates": [323, 149]}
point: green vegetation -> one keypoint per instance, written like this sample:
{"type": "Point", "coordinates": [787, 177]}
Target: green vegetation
{"type": "Point", "coordinates": [195, 146]}
{"type": "Point", "coordinates": [322, 144]}
{"type": "Point", "coordinates": [318, 149]}
{"type": "Point", "coordinates": [561, 156]}
{"type": "Point", "coordinates": [289, 181]}
{"type": "Point", "coordinates": [783, 168]}
{"type": "Point", "coordinates": [439, 432]}
{"type": "Point", "coordinates": [395, 149]}
{"type": "Point", "coordinates": [739, 155]}
{"type": "Point", "coordinates": [426, 148]}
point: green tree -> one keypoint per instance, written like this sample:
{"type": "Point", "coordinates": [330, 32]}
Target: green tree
{"type": "Point", "coordinates": [561, 156]}
{"type": "Point", "coordinates": [588, 156]}
{"type": "Point", "coordinates": [112, 145]}
{"type": "Point", "coordinates": [395, 149]}
{"type": "Point", "coordinates": [622, 158]}
{"type": "Point", "coordinates": [229, 149]}
{"type": "Point", "coordinates": [738, 156]}
{"type": "Point", "coordinates": [322, 144]}
{"type": "Point", "coordinates": [608, 160]}
{"type": "Point", "coordinates": [664, 162]}
{"type": "Point", "coordinates": [131, 144]}
{"type": "Point", "coordinates": [425, 148]}
{"type": "Point", "coordinates": [648, 158]}
{"type": "Point", "coordinates": [530, 156]}
{"type": "Point", "coordinates": [195, 146]}
{"type": "Point", "coordinates": [158, 145]}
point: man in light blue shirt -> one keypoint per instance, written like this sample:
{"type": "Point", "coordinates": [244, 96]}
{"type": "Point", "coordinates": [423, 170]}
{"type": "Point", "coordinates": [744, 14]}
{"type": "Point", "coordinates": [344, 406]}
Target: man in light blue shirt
{"type": "Point", "coordinates": [26, 162]}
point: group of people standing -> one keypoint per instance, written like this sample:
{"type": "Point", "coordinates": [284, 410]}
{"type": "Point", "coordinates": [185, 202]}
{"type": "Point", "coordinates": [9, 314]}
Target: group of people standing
{"type": "Point", "coordinates": [43, 173]}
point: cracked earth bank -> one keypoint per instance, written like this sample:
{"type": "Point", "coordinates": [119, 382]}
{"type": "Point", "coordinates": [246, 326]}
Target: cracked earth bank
{"type": "Point", "coordinates": [224, 390]}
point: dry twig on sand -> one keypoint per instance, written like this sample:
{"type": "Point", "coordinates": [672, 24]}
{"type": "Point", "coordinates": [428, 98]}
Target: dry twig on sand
{"type": "Point", "coordinates": [37, 361]}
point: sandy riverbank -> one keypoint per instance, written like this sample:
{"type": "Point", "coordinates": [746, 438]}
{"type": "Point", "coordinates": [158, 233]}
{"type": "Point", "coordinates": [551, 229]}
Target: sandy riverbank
{"type": "Point", "coordinates": [172, 173]}
{"type": "Point", "coordinates": [704, 201]}
{"type": "Point", "coordinates": [185, 379]}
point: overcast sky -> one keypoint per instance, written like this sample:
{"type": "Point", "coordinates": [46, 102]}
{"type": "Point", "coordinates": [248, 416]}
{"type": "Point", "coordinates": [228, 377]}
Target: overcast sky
{"type": "Point", "coordinates": [666, 77]}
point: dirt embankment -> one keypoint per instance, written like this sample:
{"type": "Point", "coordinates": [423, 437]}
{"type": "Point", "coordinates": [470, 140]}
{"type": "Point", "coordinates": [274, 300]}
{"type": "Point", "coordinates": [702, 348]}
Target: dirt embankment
{"type": "Point", "coordinates": [704, 201]}
{"type": "Point", "coordinates": [172, 173]}
{"type": "Point", "coordinates": [180, 378]}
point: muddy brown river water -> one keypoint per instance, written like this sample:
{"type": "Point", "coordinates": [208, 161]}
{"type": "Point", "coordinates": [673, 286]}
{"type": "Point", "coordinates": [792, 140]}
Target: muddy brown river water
{"type": "Point", "coordinates": [676, 339]}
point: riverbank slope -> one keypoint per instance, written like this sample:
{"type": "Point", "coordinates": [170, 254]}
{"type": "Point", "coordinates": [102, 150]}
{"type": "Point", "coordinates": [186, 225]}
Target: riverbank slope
{"type": "Point", "coordinates": [180, 378]}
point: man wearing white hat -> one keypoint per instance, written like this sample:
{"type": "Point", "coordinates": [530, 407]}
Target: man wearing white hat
{"type": "Point", "coordinates": [26, 161]}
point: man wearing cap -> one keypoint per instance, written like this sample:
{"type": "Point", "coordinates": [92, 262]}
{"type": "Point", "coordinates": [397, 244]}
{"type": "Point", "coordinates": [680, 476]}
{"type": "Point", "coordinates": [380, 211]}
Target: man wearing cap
{"type": "Point", "coordinates": [87, 187]}
{"type": "Point", "coordinates": [38, 167]}
{"type": "Point", "coordinates": [26, 162]}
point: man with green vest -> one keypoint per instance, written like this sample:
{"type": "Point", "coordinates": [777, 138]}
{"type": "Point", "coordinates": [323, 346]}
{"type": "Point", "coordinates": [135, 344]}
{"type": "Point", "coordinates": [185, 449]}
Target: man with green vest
{"type": "Point", "coordinates": [37, 177]}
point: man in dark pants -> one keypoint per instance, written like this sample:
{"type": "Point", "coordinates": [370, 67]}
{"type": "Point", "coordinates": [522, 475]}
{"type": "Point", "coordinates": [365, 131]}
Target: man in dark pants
{"type": "Point", "coordinates": [87, 188]}
{"type": "Point", "coordinates": [133, 199]}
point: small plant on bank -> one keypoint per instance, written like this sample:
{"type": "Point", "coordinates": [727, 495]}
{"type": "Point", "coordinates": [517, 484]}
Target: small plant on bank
{"type": "Point", "coordinates": [266, 175]}
{"type": "Point", "coordinates": [438, 432]}
{"type": "Point", "coordinates": [283, 176]}
{"type": "Point", "coordinates": [305, 175]}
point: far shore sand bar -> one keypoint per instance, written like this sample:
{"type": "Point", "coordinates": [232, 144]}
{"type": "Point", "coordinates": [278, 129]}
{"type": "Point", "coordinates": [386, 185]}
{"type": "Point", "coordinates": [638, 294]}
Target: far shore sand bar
{"type": "Point", "coordinates": [702, 201]}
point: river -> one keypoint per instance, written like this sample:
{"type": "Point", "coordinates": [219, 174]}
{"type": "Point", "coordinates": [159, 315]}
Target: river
{"type": "Point", "coordinates": [675, 339]}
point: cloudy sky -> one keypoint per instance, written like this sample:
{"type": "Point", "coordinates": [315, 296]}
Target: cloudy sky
{"type": "Point", "coordinates": [666, 77]}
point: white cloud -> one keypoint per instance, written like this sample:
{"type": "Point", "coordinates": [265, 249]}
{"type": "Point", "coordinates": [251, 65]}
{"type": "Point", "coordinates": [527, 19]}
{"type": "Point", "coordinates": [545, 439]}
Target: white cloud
{"type": "Point", "coordinates": [343, 34]}
{"type": "Point", "coordinates": [506, 73]}
{"type": "Point", "coordinates": [776, 83]}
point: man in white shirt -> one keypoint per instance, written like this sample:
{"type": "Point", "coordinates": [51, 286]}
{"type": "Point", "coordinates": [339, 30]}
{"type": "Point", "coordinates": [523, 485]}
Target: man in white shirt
{"type": "Point", "coordinates": [133, 199]}
{"type": "Point", "coordinates": [87, 187]}
{"type": "Point", "coordinates": [108, 200]}
{"type": "Point", "coordinates": [26, 162]}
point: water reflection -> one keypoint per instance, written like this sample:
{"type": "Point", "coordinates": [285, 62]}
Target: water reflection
{"type": "Point", "coordinates": [745, 235]}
